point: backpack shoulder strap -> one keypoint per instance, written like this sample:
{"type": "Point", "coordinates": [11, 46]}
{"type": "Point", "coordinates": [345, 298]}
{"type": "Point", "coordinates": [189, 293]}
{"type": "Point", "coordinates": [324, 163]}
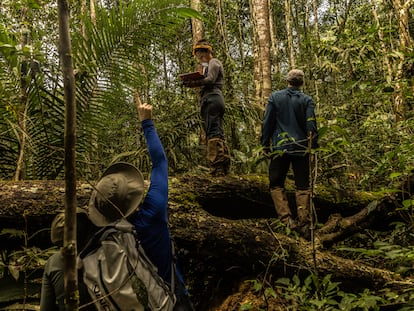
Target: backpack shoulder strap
{"type": "Point", "coordinates": [103, 233]}
{"type": "Point", "coordinates": [173, 265]}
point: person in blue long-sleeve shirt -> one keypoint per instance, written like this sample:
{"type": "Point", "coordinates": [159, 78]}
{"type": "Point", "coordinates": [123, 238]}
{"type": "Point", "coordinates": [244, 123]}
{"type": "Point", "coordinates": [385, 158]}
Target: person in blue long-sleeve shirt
{"type": "Point", "coordinates": [289, 131]}
{"type": "Point", "coordinates": [124, 184]}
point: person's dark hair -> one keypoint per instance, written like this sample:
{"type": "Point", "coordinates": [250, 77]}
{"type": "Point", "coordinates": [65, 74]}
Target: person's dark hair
{"type": "Point", "coordinates": [295, 77]}
{"type": "Point", "coordinates": [203, 42]}
{"type": "Point", "coordinates": [85, 229]}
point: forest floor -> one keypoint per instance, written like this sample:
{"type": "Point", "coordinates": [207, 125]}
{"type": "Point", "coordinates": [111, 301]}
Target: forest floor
{"type": "Point", "coordinates": [228, 234]}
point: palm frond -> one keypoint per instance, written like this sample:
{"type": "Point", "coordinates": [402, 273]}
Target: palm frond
{"type": "Point", "coordinates": [116, 56]}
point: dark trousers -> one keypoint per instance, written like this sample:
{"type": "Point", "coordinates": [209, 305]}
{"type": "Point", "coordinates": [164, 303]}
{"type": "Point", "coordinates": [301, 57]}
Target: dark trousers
{"type": "Point", "coordinates": [212, 112]}
{"type": "Point", "coordinates": [183, 300]}
{"type": "Point", "coordinates": [279, 167]}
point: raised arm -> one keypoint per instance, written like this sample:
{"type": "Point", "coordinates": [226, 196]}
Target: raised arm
{"type": "Point", "coordinates": [156, 200]}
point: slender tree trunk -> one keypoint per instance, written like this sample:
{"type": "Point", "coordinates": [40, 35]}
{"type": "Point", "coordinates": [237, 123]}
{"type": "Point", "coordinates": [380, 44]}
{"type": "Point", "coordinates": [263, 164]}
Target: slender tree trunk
{"type": "Point", "coordinates": [260, 14]}
{"type": "Point", "coordinates": [83, 14]}
{"type": "Point", "coordinates": [387, 65]}
{"type": "Point", "coordinates": [273, 40]}
{"type": "Point", "coordinates": [22, 107]}
{"type": "Point", "coordinates": [69, 247]}
{"type": "Point", "coordinates": [197, 26]}
{"type": "Point", "coordinates": [264, 44]}
{"type": "Point", "coordinates": [222, 25]}
{"type": "Point", "coordinates": [240, 38]}
{"type": "Point", "coordinates": [300, 43]}
{"type": "Point", "coordinates": [401, 12]}
{"type": "Point", "coordinates": [316, 20]}
{"type": "Point", "coordinates": [92, 6]}
{"type": "Point", "coordinates": [198, 34]}
{"type": "Point", "coordinates": [240, 41]}
{"type": "Point", "coordinates": [256, 57]}
{"type": "Point", "coordinates": [92, 154]}
{"type": "Point", "coordinates": [165, 68]}
{"type": "Point", "coordinates": [290, 51]}
{"type": "Point", "coordinates": [318, 42]}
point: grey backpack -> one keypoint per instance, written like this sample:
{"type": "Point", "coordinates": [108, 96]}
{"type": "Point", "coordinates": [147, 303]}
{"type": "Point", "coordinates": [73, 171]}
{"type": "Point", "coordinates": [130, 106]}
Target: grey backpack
{"type": "Point", "coordinates": [118, 274]}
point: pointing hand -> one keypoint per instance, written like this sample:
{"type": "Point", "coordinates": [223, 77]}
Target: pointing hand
{"type": "Point", "coordinates": [144, 110]}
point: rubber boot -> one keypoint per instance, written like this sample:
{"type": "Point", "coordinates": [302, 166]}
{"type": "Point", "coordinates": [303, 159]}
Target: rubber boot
{"type": "Point", "coordinates": [304, 215]}
{"type": "Point", "coordinates": [282, 207]}
{"type": "Point", "coordinates": [218, 156]}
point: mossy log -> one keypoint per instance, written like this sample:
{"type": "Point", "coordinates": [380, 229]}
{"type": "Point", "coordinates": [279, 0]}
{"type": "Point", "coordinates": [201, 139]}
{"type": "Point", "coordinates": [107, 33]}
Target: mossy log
{"type": "Point", "coordinates": [224, 229]}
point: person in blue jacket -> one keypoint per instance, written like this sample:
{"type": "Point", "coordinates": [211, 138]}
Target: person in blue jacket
{"type": "Point", "coordinates": [123, 185]}
{"type": "Point", "coordinates": [289, 131]}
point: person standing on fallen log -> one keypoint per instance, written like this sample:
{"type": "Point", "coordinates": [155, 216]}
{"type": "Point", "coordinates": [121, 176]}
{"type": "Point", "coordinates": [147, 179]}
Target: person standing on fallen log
{"type": "Point", "coordinates": [289, 131]}
{"type": "Point", "coordinates": [212, 107]}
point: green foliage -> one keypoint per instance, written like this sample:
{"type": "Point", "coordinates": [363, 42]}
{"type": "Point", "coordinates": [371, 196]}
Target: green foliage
{"type": "Point", "coordinates": [144, 45]}
{"type": "Point", "coordinates": [25, 260]}
{"type": "Point", "coordinates": [393, 257]}
{"type": "Point", "coordinates": [112, 57]}
{"type": "Point", "coordinates": [313, 293]}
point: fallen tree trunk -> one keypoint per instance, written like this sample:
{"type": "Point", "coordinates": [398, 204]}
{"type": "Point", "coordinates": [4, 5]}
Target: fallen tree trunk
{"type": "Point", "coordinates": [373, 215]}
{"type": "Point", "coordinates": [224, 228]}
{"type": "Point", "coordinates": [247, 248]}
{"type": "Point", "coordinates": [338, 228]}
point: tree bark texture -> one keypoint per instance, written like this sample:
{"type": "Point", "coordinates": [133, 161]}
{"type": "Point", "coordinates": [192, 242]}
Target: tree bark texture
{"type": "Point", "coordinates": [401, 14]}
{"type": "Point", "coordinates": [23, 105]}
{"type": "Point", "coordinates": [196, 24]}
{"type": "Point", "coordinates": [226, 231]}
{"type": "Point", "coordinates": [290, 49]}
{"type": "Point", "coordinates": [69, 243]}
{"type": "Point", "coordinates": [261, 28]}
{"type": "Point", "coordinates": [273, 41]}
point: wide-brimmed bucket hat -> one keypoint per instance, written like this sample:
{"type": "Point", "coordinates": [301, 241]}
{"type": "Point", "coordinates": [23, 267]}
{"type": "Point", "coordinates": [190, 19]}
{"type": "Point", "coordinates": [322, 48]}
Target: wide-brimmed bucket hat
{"type": "Point", "coordinates": [116, 195]}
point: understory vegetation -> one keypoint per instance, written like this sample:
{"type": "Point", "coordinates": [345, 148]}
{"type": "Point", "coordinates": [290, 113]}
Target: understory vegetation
{"type": "Point", "coordinates": [391, 250]}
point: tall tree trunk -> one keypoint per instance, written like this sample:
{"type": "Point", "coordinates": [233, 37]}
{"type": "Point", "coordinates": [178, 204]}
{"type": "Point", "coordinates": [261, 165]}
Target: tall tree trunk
{"type": "Point", "coordinates": [22, 107]}
{"type": "Point", "coordinates": [240, 36]}
{"type": "Point", "coordinates": [318, 41]}
{"type": "Point", "coordinates": [93, 135]}
{"type": "Point", "coordinates": [92, 7]}
{"type": "Point", "coordinates": [273, 39]}
{"type": "Point", "coordinates": [198, 34]}
{"type": "Point", "coordinates": [165, 68]}
{"type": "Point", "coordinates": [290, 50]}
{"type": "Point", "coordinates": [401, 13]}
{"type": "Point", "coordinates": [387, 65]}
{"type": "Point", "coordinates": [298, 24]}
{"type": "Point", "coordinates": [316, 20]}
{"type": "Point", "coordinates": [240, 42]}
{"type": "Point", "coordinates": [196, 24]}
{"type": "Point", "coordinates": [83, 14]}
{"type": "Point", "coordinates": [260, 10]}
{"type": "Point", "coordinates": [69, 243]}
{"type": "Point", "coordinates": [222, 25]}
{"type": "Point", "coordinates": [256, 57]}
